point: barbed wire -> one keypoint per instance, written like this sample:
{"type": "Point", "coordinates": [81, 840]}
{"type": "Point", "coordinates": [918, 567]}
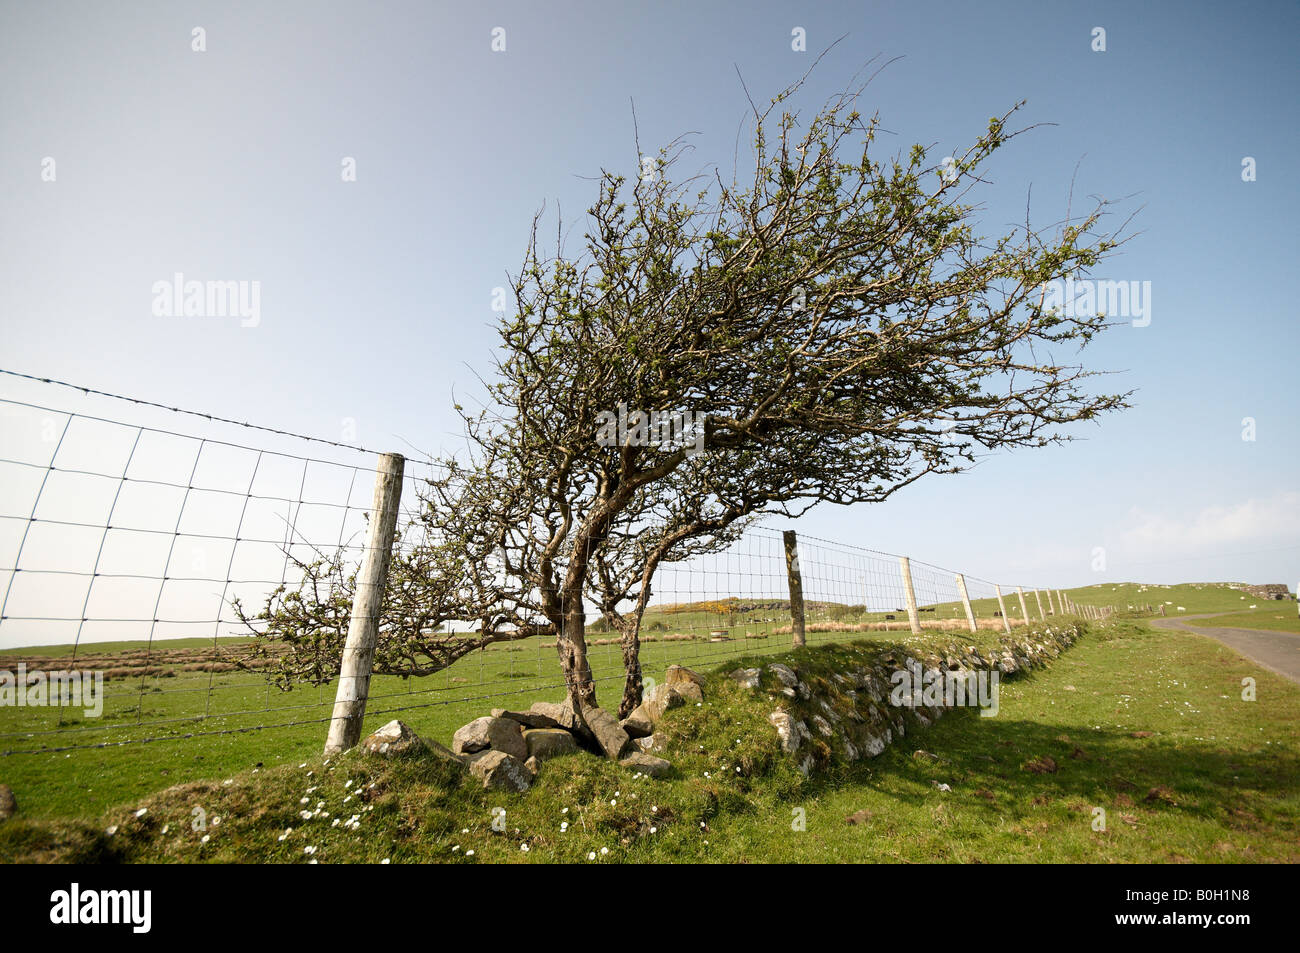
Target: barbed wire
{"type": "Point", "coordinates": [180, 410]}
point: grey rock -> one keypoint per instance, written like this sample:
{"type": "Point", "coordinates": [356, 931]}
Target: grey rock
{"type": "Point", "coordinates": [874, 745]}
{"type": "Point", "coordinates": [501, 771]}
{"type": "Point", "coordinates": [560, 715]}
{"type": "Point", "coordinates": [393, 739]}
{"type": "Point", "coordinates": [679, 675]}
{"type": "Point", "coordinates": [656, 742]}
{"type": "Point", "coordinates": [613, 740]}
{"type": "Point", "coordinates": [785, 675]}
{"type": "Point", "coordinates": [543, 743]}
{"type": "Point", "coordinates": [529, 719]}
{"type": "Point", "coordinates": [746, 677]}
{"type": "Point", "coordinates": [791, 732]}
{"type": "Point", "coordinates": [499, 734]}
{"type": "Point", "coordinates": [638, 724]}
{"type": "Point", "coordinates": [662, 699]}
{"type": "Point", "coordinates": [689, 691]}
{"type": "Point", "coordinates": [646, 764]}
{"type": "Point", "coordinates": [8, 803]}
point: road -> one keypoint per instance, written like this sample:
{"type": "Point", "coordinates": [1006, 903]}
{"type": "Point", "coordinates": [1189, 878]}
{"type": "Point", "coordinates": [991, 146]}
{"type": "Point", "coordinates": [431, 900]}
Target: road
{"type": "Point", "coordinates": [1278, 652]}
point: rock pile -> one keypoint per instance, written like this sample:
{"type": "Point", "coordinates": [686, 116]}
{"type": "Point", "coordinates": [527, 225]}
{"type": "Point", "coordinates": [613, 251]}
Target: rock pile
{"type": "Point", "coordinates": [507, 748]}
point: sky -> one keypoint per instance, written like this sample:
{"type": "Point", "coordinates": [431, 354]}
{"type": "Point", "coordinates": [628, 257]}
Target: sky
{"type": "Point", "coordinates": [375, 295]}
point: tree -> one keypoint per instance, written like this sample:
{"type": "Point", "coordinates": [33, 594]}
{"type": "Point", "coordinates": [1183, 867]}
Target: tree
{"type": "Point", "coordinates": [831, 330]}
{"type": "Point", "coordinates": [837, 323]}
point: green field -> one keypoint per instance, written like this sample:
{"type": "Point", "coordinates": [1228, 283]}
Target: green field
{"type": "Point", "coordinates": [208, 724]}
{"type": "Point", "coordinates": [195, 725]}
{"type": "Point", "coordinates": [1147, 725]}
{"type": "Point", "coordinates": [1274, 619]}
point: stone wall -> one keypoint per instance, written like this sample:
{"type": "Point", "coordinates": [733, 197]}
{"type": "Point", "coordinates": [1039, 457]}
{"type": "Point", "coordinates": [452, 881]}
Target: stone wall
{"type": "Point", "coordinates": [837, 705]}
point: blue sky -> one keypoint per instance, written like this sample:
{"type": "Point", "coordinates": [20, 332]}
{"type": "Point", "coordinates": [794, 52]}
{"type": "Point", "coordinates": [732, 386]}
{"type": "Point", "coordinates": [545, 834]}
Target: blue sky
{"type": "Point", "coordinates": [376, 294]}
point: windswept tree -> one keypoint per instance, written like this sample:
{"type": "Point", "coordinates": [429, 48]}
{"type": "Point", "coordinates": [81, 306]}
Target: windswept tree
{"type": "Point", "coordinates": [833, 328]}
{"type": "Point", "coordinates": [836, 322]}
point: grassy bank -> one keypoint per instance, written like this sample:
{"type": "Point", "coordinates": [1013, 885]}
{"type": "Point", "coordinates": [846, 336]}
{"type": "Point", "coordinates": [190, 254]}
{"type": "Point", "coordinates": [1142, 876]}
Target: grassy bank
{"type": "Point", "coordinates": [1147, 725]}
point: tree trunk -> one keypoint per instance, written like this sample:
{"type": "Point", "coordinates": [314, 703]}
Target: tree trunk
{"type": "Point", "coordinates": [630, 637]}
{"type": "Point", "coordinates": [572, 646]}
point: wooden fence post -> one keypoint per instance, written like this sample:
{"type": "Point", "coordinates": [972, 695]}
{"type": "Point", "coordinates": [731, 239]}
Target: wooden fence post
{"type": "Point", "coordinates": [1024, 609]}
{"type": "Point", "coordinates": [965, 601]}
{"type": "Point", "coordinates": [1051, 606]}
{"type": "Point", "coordinates": [795, 579]}
{"type": "Point", "coordinates": [1006, 623]}
{"type": "Point", "coordinates": [1038, 597]}
{"type": "Point", "coordinates": [367, 600]}
{"type": "Point", "coordinates": [910, 594]}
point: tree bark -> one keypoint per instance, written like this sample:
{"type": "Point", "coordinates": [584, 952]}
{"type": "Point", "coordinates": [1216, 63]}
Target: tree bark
{"type": "Point", "coordinates": [632, 681]}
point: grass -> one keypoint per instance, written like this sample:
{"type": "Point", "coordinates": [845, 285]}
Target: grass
{"type": "Point", "coordinates": [1277, 617]}
{"type": "Point", "coordinates": [65, 764]}
{"type": "Point", "coordinates": [210, 724]}
{"type": "Point", "coordinates": [113, 648]}
{"type": "Point", "coordinates": [1148, 725]}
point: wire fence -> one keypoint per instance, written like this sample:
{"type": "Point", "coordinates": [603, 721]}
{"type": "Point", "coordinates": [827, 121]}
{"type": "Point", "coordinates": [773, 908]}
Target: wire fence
{"type": "Point", "coordinates": [125, 548]}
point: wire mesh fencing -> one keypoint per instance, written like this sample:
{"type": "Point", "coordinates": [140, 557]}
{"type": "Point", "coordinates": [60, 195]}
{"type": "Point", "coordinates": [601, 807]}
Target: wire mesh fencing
{"type": "Point", "coordinates": [134, 561]}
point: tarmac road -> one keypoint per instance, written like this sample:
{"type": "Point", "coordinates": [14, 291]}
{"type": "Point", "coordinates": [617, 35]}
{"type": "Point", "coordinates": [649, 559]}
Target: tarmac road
{"type": "Point", "coordinates": [1278, 652]}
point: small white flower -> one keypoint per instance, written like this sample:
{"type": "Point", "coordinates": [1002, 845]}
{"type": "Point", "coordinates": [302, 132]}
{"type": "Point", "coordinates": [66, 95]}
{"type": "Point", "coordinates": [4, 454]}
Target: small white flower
{"type": "Point", "coordinates": [604, 850]}
{"type": "Point", "coordinates": [469, 853]}
{"type": "Point", "coordinates": [591, 855]}
{"type": "Point", "coordinates": [142, 812]}
{"type": "Point", "coordinates": [564, 811]}
{"type": "Point", "coordinates": [303, 801]}
{"type": "Point", "coordinates": [205, 838]}
{"type": "Point", "coordinates": [166, 828]}
{"type": "Point", "coordinates": [309, 850]}
{"type": "Point", "coordinates": [456, 848]}
{"type": "Point", "coordinates": [524, 848]}
{"type": "Point", "coordinates": [654, 830]}
{"type": "Point", "coordinates": [216, 821]}
{"type": "Point", "coordinates": [384, 861]}
{"type": "Point", "coordinates": [111, 831]}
